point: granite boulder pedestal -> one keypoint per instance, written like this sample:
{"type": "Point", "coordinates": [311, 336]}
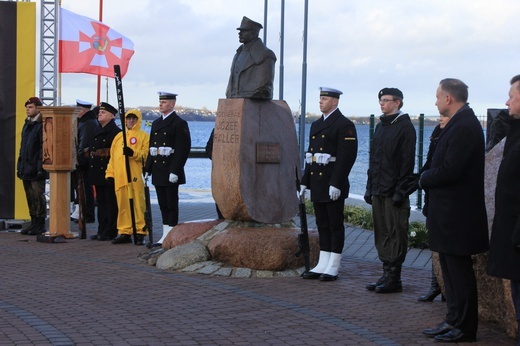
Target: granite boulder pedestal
{"type": "Point", "coordinates": [255, 160]}
{"type": "Point", "coordinates": [255, 164]}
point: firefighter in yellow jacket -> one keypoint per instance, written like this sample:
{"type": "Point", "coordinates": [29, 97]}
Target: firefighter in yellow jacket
{"type": "Point", "coordinates": [136, 149]}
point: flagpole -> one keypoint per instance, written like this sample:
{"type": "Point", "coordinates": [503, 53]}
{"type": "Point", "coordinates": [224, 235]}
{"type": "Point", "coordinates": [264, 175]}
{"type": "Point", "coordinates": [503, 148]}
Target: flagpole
{"type": "Point", "coordinates": [99, 77]}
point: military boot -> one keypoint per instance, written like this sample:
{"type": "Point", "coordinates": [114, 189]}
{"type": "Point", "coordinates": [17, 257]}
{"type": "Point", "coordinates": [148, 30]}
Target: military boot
{"type": "Point", "coordinates": [372, 286]}
{"type": "Point", "coordinates": [393, 281]}
{"type": "Point", "coordinates": [31, 227]}
{"type": "Point", "coordinates": [40, 227]}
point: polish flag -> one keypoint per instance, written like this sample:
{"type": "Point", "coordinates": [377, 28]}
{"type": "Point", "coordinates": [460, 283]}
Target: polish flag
{"type": "Point", "coordinates": [89, 46]}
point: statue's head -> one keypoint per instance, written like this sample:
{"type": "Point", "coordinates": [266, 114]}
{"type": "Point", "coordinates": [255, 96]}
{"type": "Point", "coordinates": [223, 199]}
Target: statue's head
{"type": "Point", "coordinates": [248, 30]}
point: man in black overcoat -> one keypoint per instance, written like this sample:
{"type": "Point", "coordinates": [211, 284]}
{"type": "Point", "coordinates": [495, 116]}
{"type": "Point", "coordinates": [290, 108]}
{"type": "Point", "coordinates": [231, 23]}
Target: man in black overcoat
{"type": "Point", "coordinates": [456, 217]}
{"type": "Point", "coordinates": [170, 145]}
{"type": "Point", "coordinates": [504, 249]}
{"type": "Point", "coordinates": [331, 154]}
{"type": "Point", "coordinates": [98, 153]}
{"type": "Point", "coordinates": [87, 124]}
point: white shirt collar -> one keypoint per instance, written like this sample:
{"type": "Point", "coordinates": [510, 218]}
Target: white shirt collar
{"type": "Point", "coordinates": [326, 116]}
{"type": "Point", "coordinates": [167, 115]}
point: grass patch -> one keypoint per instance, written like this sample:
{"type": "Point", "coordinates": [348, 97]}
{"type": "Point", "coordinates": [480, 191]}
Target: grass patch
{"type": "Point", "coordinates": [362, 217]}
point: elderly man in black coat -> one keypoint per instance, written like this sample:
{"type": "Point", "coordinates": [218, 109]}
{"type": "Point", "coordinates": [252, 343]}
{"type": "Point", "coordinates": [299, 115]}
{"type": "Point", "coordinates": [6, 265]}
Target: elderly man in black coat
{"type": "Point", "coordinates": [456, 217]}
{"type": "Point", "coordinates": [504, 249]}
{"type": "Point", "coordinates": [98, 153]}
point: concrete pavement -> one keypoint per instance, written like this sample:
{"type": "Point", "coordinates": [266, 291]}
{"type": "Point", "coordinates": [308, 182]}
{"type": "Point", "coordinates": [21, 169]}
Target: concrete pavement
{"type": "Point", "coordinates": [85, 292]}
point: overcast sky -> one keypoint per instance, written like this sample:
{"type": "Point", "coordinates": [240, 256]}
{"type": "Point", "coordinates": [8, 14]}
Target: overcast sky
{"type": "Point", "coordinates": [357, 46]}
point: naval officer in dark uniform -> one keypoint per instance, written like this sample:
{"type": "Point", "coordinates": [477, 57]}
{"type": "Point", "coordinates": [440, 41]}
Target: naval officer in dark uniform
{"type": "Point", "coordinates": [329, 159]}
{"type": "Point", "coordinates": [170, 145]}
{"type": "Point", "coordinates": [98, 153]}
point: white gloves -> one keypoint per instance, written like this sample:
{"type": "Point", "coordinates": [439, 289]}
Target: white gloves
{"type": "Point", "coordinates": [325, 158]}
{"type": "Point", "coordinates": [302, 191]}
{"type": "Point", "coordinates": [334, 193]}
{"type": "Point", "coordinates": [308, 158]}
{"type": "Point", "coordinates": [165, 151]}
{"type": "Point", "coordinates": [322, 159]}
{"type": "Point", "coordinates": [173, 178]}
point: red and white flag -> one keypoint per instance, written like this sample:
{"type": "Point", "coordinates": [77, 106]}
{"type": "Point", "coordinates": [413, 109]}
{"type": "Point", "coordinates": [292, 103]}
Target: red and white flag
{"type": "Point", "coordinates": [89, 46]}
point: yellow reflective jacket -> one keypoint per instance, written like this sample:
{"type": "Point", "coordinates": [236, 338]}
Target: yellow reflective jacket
{"type": "Point", "coordinates": [136, 139]}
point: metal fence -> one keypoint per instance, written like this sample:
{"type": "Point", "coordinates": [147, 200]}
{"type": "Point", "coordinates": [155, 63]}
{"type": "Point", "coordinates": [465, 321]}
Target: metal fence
{"type": "Point", "coordinates": [422, 147]}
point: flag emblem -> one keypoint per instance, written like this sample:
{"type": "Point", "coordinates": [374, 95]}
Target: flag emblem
{"type": "Point", "coordinates": [89, 46]}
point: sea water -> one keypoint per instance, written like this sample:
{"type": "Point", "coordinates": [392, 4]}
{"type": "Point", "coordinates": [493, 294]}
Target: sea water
{"type": "Point", "coordinates": [198, 170]}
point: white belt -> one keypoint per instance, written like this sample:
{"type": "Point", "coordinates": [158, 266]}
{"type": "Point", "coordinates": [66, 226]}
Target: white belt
{"type": "Point", "coordinates": [321, 159]}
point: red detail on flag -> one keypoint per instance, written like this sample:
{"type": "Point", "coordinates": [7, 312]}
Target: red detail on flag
{"type": "Point", "coordinates": [89, 46]}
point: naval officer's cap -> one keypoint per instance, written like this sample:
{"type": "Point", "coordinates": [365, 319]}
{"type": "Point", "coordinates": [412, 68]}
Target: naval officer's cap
{"type": "Point", "coordinates": [163, 95]}
{"type": "Point", "coordinates": [83, 104]}
{"type": "Point", "coordinates": [107, 107]}
{"type": "Point", "coordinates": [330, 92]}
{"type": "Point", "coordinates": [248, 24]}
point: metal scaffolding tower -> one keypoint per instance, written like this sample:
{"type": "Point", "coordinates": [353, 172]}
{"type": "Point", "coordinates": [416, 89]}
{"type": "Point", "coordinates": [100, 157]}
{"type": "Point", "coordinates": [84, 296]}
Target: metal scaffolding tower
{"type": "Point", "coordinates": [48, 52]}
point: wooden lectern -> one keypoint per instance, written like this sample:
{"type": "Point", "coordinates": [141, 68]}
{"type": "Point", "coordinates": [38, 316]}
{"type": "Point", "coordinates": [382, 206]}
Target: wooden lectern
{"type": "Point", "coordinates": [59, 158]}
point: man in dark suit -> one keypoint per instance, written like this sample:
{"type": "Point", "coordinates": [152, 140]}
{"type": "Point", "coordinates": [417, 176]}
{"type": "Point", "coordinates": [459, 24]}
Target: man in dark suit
{"type": "Point", "coordinates": [170, 145]}
{"type": "Point", "coordinates": [252, 70]}
{"type": "Point", "coordinates": [456, 217]}
{"type": "Point", "coordinates": [329, 159]}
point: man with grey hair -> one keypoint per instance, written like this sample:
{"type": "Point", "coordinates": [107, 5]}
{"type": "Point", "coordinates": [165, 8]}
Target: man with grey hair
{"type": "Point", "coordinates": [252, 70]}
{"type": "Point", "coordinates": [456, 216]}
{"type": "Point", "coordinates": [504, 248]}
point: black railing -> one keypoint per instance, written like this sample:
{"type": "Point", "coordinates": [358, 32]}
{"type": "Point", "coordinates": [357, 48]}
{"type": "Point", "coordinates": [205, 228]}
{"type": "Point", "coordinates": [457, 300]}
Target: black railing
{"type": "Point", "coordinates": [198, 153]}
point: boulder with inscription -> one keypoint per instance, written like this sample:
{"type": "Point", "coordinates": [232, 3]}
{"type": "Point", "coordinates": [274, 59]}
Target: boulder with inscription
{"type": "Point", "coordinates": [254, 158]}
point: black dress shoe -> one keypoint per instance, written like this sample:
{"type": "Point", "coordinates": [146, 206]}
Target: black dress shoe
{"type": "Point", "coordinates": [431, 295]}
{"type": "Point", "coordinates": [310, 275]}
{"type": "Point", "coordinates": [328, 277]}
{"type": "Point", "coordinates": [103, 238]}
{"type": "Point", "coordinates": [441, 328]}
{"type": "Point", "coordinates": [94, 237]}
{"type": "Point", "coordinates": [456, 335]}
{"type": "Point", "coordinates": [122, 239]}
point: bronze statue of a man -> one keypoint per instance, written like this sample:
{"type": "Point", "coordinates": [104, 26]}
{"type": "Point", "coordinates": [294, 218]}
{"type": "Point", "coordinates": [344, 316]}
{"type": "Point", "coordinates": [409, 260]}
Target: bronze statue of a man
{"type": "Point", "coordinates": [252, 71]}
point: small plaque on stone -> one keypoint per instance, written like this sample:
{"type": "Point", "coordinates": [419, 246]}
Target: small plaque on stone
{"type": "Point", "coordinates": [268, 152]}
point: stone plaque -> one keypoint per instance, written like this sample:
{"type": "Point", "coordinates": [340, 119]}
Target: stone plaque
{"type": "Point", "coordinates": [267, 152]}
